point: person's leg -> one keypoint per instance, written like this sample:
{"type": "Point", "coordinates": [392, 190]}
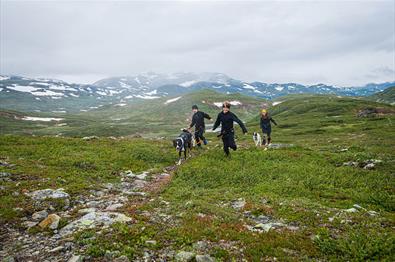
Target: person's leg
{"type": "Point", "coordinates": [197, 138]}
{"type": "Point", "coordinates": [226, 144]}
{"type": "Point", "coordinates": [263, 137]}
{"type": "Point", "coordinates": [232, 143]}
{"type": "Point", "coordinates": [269, 138]}
{"type": "Point", "coordinates": [201, 137]}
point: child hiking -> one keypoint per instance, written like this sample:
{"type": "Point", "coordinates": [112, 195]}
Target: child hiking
{"type": "Point", "coordinates": [266, 126]}
{"type": "Point", "coordinates": [198, 121]}
{"type": "Point", "coordinates": [226, 118]}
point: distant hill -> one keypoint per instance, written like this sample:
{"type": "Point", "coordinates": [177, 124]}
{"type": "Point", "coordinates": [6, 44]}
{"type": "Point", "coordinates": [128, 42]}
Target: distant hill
{"type": "Point", "coordinates": [386, 96]}
{"type": "Point", "coordinates": [49, 95]}
{"type": "Point", "coordinates": [159, 117]}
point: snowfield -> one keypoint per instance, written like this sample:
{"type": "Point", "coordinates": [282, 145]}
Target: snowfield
{"type": "Point", "coordinates": [172, 100]}
{"type": "Point", "coordinates": [45, 119]}
{"type": "Point", "coordinates": [277, 103]}
{"type": "Point", "coordinates": [188, 83]}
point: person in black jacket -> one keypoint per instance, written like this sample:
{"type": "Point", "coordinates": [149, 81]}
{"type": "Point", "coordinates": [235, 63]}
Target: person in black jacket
{"type": "Point", "coordinates": [226, 118]}
{"type": "Point", "coordinates": [198, 121]}
{"type": "Point", "coordinates": [266, 126]}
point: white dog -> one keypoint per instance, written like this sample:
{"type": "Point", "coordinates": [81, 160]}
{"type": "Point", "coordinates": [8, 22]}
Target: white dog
{"type": "Point", "coordinates": [257, 139]}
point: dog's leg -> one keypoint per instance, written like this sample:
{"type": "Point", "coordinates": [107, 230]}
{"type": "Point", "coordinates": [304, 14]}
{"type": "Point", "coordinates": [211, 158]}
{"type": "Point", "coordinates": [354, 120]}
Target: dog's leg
{"type": "Point", "coordinates": [179, 158]}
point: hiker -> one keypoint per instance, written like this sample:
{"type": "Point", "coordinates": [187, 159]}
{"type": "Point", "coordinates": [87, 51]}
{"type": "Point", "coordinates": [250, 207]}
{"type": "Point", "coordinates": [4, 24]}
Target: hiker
{"type": "Point", "coordinates": [198, 121]}
{"type": "Point", "coordinates": [266, 126]}
{"type": "Point", "coordinates": [226, 118]}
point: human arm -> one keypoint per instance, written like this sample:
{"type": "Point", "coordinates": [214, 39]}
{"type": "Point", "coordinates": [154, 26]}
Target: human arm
{"type": "Point", "coordinates": [274, 122]}
{"type": "Point", "coordinates": [217, 122]}
{"type": "Point", "coordinates": [241, 124]}
{"type": "Point", "coordinates": [193, 122]}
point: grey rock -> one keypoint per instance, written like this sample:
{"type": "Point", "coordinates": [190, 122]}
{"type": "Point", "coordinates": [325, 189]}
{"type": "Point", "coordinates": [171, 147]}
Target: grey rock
{"type": "Point", "coordinates": [204, 258]}
{"type": "Point", "coordinates": [29, 224]}
{"type": "Point", "coordinates": [92, 220]}
{"type": "Point", "coordinates": [76, 258]}
{"type": "Point", "coordinates": [40, 215]}
{"type": "Point", "coordinates": [86, 210]}
{"type": "Point", "coordinates": [278, 146]}
{"type": "Point", "coordinates": [185, 256]}
{"type": "Point", "coordinates": [88, 138]}
{"type": "Point", "coordinates": [56, 249]}
{"type": "Point", "coordinates": [200, 245]}
{"type": "Point", "coordinates": [369, 166]}
{"type": "Point", "coordinates": [48, 194]}
{"type": "Point", "coordinates": [121, 259]}
{"type": "Point", "coordinates": [9, 259]}
{"type": "Point", "coordinates": [238, 204]}
{"type": "Point", "coordinates": [351, 210]}
{"type": "Point", "coordinates": [5, 177]}
{"type": "Point", "coordinates": [113, 207]}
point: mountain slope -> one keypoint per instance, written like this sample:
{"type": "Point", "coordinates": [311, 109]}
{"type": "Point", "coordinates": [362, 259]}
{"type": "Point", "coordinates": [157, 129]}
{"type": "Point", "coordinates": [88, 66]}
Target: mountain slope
{"type": "Point", "coordinates": [159, 117]}
{"type": "Point", "coordinates": [48, 95]}
{"type": "Point", "coordinates": [386, 96]}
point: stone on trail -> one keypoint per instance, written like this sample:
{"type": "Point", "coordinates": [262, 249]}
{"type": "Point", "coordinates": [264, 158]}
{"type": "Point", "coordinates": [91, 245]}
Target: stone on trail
{"type": "Point", "coordinates": [88, 138]}
{"type": "Point", "coordinates": [92, 220]}
{"type": "Point", "coordinates": [185, 256]}
{"type": "Point", "coordinates": [86, 210]}
{"type": "Point", "coordinates": [121, 259]}
{"type": "Point", "coordinates": [113, 207]}
{"type": "Point", "coordinates": [204, 258]}
{"type": "Point", "coordinates": [48, 194]}
{"type": "Point", "coordinates": [29, 224]}
{"type": "Point", "coordinates": [76, 258]}
{"type": "Point", "coordinates": [238, 204]}
{"type": "Point", "coordinates": [40, 215]}
{"type": "Point", "coordinates": [52, 222]}
{"type": "Point", "coordinates": [278, 146]}
{"type": "Point", "coordinates": [56, 249]}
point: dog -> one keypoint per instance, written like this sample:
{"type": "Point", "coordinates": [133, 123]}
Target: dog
{"type": "Point", "coordinates": [257, 139]}
{"type": "Point", "coordinates": [183, 143]}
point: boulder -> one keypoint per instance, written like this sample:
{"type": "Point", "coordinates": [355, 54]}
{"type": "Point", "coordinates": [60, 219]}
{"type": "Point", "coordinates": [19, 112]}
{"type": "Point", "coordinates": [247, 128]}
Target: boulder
{"type": "Point", "coordinates": [76, 258]}
{"type": "Point", "coordinates": [44, 194]}
{"type": "Point", "coordinates": [238, 204]}
{"type": "Point", "coordinates": [185, 256]}
{"type": "Point", "coordinates": [204, 258]}
{"type": "Point", "coordinates": [92, 220]}
{"type": "Point", "coordinates": [51, 221]}
{"type": "Point", "coordinates": [40, 215]}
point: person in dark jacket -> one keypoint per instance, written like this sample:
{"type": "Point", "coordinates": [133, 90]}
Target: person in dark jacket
{"type": "Point", "coordinates": [226, 118]}
{"type": "Point", "coordinates": [198, 121]}
{"type": "Point", "coordinates": [266, 126]}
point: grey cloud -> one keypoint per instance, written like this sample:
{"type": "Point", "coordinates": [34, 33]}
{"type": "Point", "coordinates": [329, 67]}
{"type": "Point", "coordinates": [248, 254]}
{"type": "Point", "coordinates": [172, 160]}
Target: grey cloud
{"type": "Point", "coordinates": [308, 42]}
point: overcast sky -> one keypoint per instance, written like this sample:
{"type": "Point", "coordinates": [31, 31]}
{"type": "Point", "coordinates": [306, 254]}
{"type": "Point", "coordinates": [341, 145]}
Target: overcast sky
{"type": "Point", "coordinates": [333, 42]}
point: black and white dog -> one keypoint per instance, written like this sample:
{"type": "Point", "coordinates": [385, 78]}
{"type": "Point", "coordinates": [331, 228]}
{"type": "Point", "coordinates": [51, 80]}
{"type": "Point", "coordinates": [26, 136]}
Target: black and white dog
{"type": "Point", "coordinates": [257, 139]}
{"type": "Point", "coordinates": [183, 143]}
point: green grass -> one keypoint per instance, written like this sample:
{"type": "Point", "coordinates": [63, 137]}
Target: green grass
{"type": "Point", "coordinates": [73, 164]}
{"type": "Point", "coordinates": [305, 185]}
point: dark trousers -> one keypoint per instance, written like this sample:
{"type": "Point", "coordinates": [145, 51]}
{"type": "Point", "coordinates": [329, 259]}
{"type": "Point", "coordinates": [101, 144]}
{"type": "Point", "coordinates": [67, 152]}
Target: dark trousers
{"type": "Point", "coordinates": [229, 142]}
{"type": "Point", "coordinates": [266, 131]}
{"type": "Point", "coordinates": [199, 136]}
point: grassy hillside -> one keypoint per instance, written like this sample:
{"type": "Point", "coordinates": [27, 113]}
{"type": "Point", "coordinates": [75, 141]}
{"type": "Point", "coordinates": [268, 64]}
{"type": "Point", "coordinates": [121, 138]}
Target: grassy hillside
{"type": "Point", "coordinates": [316, 200]}
{"type": "Point", "coordinates": [387, 96]}
{"type": "Point", "coordinates": [148, 118]}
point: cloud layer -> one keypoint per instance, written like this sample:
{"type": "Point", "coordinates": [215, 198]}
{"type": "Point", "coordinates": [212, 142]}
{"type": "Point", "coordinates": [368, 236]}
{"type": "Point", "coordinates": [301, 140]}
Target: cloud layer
{"type": "Point", "coordinates": [342, 43]}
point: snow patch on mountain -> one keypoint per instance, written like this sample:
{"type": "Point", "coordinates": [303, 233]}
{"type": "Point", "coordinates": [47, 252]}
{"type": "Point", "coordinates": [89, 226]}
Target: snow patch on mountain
{"type": "Point", "coordinates": [44, 119]}
{"type": "Point", "coordinates": [172, 100]}
{"type": "Point", "coordinates": [277, 103]}
{"type": "Point", "coordinates": [247, 86]}
{"type": "Point", "coordinates": [188, 83]}
{"type": "Point", "coordinates": [2, 78]}
{"type": "Point", "coordinates": [146, 97]}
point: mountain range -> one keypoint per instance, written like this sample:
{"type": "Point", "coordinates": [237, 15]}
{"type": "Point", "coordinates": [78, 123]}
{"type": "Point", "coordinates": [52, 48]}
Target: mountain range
{"type": "Point", "coordinates": [50, 95]}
